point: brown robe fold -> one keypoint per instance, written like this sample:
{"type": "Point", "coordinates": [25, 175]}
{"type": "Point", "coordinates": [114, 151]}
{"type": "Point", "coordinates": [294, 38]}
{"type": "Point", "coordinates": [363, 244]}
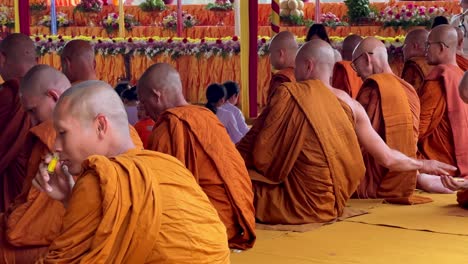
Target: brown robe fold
{"type": "Point", "coordinates": [462, 62]}
{"type": "Point", "coordinates": [195, 136]}
{"type": "Point", "coordinates": [415, 71]}
{"type": "Point", "coordinates": [279, 77]}
{"type": "Point", "coordinates": [444, 119]}
{"type": "Point", "coordinates": [305, 160]}
{"type": "Point", "coordinates": [346, 79]}
{"type": "Point", "coordinates": [393, 109]}
{"type": "Point", "coordinates": [15, 143]}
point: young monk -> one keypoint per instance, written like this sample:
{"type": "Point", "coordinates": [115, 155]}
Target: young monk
{"type": "Point", "coordinates": [196, 137]}
{"type": "Point", "coordinates": [78, 61]}
{"type": "Point", "coordinates": [416, 67]}
{"type": "Point", "coordinates": [443, 127]}
{"type": "Point", "coordinates": [34, 220]}
{"type": "Point", "coordinates": [283, 48]}
{"type": "Point", "coordinates": [463, 88]}
{"type": "Point", "coordinates": [393, 109]}
{"type": "Point", "coordinates": [344, 77]}
{"type": "Point", "coordinates": [306, 160]}
{"type": "Point", "coordinates": [462, 61]}
{"type": "Point", "coordinates": [17, 56]}
{"type": "Point", "coordinates": [128, 205]}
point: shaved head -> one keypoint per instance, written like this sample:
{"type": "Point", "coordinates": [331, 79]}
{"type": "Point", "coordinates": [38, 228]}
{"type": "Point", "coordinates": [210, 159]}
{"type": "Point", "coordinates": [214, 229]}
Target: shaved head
{"type": "Point", "coordinates": [415, 44]}
{"type": "Point", "coordinates": [283, 48]}
{"type": "Point", "coordinates": [463, 88]}
{"type": "Point", "coordinates": [90, 119]}
{"type": "Point", "coordinates": [40, 90]}
{"type": "Point", "coordinates": [314, 61]}
{"type": "Point", "coordinates": [349, 44]}
{"type": "Point", "coordinates": [17, 56]}
{"type": "Point", "coordinates": [159, 89]}
{"type": "Point", "coordinates": [78, 61]}
{"type": "Point", "coordinates": [442, 45]}
{"type": "Point", "coordinates": [370, 57]}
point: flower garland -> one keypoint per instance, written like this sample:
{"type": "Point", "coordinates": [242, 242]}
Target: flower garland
{"type": "Point", "coordinates": [170, 21]}
{"type": "Point", "coordinates": [89, 6]}
{"type": "Point", "coordinates": [220, 5]}
{"type": "Point", "coordinates": [111, 22]}
{"type": "Point", "coordinates": [176, 47]}
{"type": "Point", "coordinates": [331, 20]}
{"type": "Point", "coordinates": [409, 16]}
{"type": "Point", "coordinates": [62, 20]}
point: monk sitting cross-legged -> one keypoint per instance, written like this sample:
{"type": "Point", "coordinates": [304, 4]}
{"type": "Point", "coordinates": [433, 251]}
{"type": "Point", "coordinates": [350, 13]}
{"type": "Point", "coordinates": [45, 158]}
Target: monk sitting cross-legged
{"type": "Point", "coordinates": [127, 205]}
{"type": "Point", "coordinates": [195, 136]}
{"type": "Point", "coordinates": [78, 61]}
{"type": "Point", "coordinates": [443, 123]}
{"type": "Point", "coordinates": [17, 56]}
{"type": "Point", "coordinates": [393, 109]}
{"type": "Point", "coordinates": [462, 61]}
{"type": "Point", "coordinates": [306, 160]}
{"type": "Point", "coordinates": [344, 77]}
{"type": "Point", "coordinates": [416, 67]}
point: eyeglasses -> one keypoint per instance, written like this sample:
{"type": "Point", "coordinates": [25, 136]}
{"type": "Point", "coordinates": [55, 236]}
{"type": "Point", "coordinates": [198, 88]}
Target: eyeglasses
{"type": "Point", "coordinates": [428, 44]}
{"type": "Point", "coordinates": [353, 63]}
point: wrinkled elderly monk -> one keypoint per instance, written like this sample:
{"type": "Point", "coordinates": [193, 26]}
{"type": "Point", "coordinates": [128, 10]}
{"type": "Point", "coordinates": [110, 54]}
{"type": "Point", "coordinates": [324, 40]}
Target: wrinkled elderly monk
{"type": "Point", "coordinates": [196, 137]}
{"type": "Point", "coordinates": [416, 67]}
{"type": "Point", "coordinates": [344, 77]}
{"type": "Point", "coordinates": [17, 56]}
{"type": "Point", "coordinates": [78, 61]}
{"type": "Point", "coordinates": [443, 123]}
{"type": "Point", "coordinates": [306, 160]}
{"type": "Point", "coordinates": [127, 205]}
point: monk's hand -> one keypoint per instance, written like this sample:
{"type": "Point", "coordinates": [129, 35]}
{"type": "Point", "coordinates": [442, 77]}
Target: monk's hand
{"type": "Point", "coordinates": [435, 167]}
{"type": "Point", "coordinates": [58, 185]}
{"type": "Point", "coordinates": [454, 184]}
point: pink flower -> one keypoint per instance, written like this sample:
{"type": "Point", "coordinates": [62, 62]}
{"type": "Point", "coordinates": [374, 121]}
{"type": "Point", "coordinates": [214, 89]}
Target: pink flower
{"type": "Point", "coordinates": [185, 40]}
{"type": "Point", "coordinates": [409, 14]}
{"type": "Point", "coordinates": [235, 38]}
{"type": "Point", "coordinates": [116, 16]}
{"type": "Point", "coordinates": [37, 39]}
{"type": "Point", "coordinates": [431, 10]}
{"type": "Point", "coordinates": [390, 13]}
{"type": "Point", "coordinates": [337, 20]}
{"type": "Point", "coordinates": [410, 6]}
{"type": "Point", "coordinates": [150, 40]}
{"type": "Point", "coordinates": [397, 16]}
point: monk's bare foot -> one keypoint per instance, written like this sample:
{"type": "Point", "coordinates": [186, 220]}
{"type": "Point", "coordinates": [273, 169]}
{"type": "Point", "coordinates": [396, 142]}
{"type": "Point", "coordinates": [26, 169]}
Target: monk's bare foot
{"type": "Point", "coordinates": [431, 184]}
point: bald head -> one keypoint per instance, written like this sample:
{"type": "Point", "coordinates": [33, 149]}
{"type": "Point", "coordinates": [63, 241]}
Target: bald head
{"type": "Point", "coordinates": [40, 90]}
{"type": "Point", "coordinates": [283, 48]}
{"type": "Point", "coordinates": [349, 44]}
{"type": "Point", "coordinates": [17, 56]}
{"type": "Point", "coordinates": [78, 61]}
{"type": "Point", "coordinates": [415, 44]}
{"type": "Point", "coordinates": [313, 61]}
{"type": "Point", "coordinates": [442, 45]}
{"type": "Point", "coordinates": [90, 119]}
{"type": "Point", "coordinates": [370, 57]}
{"type": "Point", "coordinates": [463, 88]}
{"type": "Point", "coordinates": [159, 89]}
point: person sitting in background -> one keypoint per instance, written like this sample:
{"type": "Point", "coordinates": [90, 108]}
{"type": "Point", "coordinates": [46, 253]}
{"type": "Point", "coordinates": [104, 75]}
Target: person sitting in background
{"type": "Point", "coordinates": [216, 96]}
{"type": "Point", "coordinates": [439, 20]}
{"type": "Point", "coordinates": [318, 31]}
{"type": "Point", "coordinates": [130, 100]}
{"type": "Point", "coordinates": [144, 126]}
{"type": "Point", "coordinates": [121, 87]}
{"type": "Point", "coordinates": [232, 97]}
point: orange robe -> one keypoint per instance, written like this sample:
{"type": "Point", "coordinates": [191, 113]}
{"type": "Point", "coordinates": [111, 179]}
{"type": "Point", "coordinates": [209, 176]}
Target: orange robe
{"type": "Point", "coordinates": [34, 220]}
{"type": "Point", "coordinates": [393, 109]}
{"type": "Point", "coordinates": [15, 143]}
{"type": "Point", "coordinates": [279, 77]}
{"type": "Point", "coordinates": [444, 119]}
{"type": "Point", "coordinates": [304, 166]}
{"type": "Point", "coordinates": [462, 62]}
{"type": "Point", "coordinates": [415, 71]}
{"type": "Point", "coordinates": [139, 207]}
{"type": "Point", "coordinates": [195, 136]}
{"type": "Point", "coordinates": [144, 128]}
{"type": "Point", "coordinates": [346, 79]}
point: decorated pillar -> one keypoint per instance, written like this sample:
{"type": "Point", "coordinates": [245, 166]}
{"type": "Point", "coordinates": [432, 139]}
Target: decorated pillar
{"type": "Point", "coordinates": [180, 24]}
{"type": "Point", "coordinates": [317, 11]}
{"type": "Point", "coordinates": [53, 18]}
{"type": "Point", "coordinates": [121, 19]}
{"type": "Point", "coordinates": [275, 16]}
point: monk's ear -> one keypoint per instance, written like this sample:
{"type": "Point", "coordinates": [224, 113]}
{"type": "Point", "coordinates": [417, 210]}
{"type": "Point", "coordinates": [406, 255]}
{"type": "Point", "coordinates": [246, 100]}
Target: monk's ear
{"type": "Point", "coordinates": [101, 124]}
{"type": "Point", "coordinates": [53, 94]}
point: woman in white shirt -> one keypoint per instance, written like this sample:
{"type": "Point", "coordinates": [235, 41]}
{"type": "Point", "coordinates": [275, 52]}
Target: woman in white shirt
{"type": "Point", "coordinates": [216, 96]}
{"type": "Point", "coordinates": [232, 97]}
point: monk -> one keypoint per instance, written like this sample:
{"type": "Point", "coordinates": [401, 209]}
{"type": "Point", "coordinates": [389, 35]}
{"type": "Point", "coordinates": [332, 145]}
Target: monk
{"type": "Point", "coordinates": [415, 68]}
{"type": "Point", "coordinates": [197, 138]}
{"type": "Point", "coordinates": [393, 109]}
{"type": "Point", "coordinates": [443, 126]}
{"type": "Point", "coordinates": [127, 205]}
{"type": "Point", "coordinates": [344, 76]}
{"type": "Point", "coordinates": [320, 127]}
{"type": "Point", "coordinates": [21, 241]}
{"type": "Point", "coordinates": [78, 61]}
{"type": "Point", "coordinates": [17, 56]}
{"type": "Point", "coordinates": [283, 48]}
{"type": "Point", "coordinates": [463, 88]}
{"type": "Point", "coordinates": [462, 61]}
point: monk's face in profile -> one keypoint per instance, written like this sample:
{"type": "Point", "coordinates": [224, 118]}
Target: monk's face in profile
{"type": "Point", "coordinates": [66, 67]}
{"type": "Point", "coordinates": [277, 57]}
{"type": "Point", "coordinates": [76, 139]}
{"type": "Point", "coordinates": [151, 100]}
{"type": "Point", "coordinates": [436, 50]}
{"type": "Point", "coordinates": [362, 65]}
{"type": "Point", "coordinates": [411, 49]}
{"type": "Point", "coordinates": [40, 107]}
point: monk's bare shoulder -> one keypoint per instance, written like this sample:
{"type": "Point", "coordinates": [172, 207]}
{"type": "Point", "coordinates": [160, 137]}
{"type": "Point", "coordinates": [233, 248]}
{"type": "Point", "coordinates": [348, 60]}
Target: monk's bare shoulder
{"type": "Point", "coordinates": [343, 96]}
